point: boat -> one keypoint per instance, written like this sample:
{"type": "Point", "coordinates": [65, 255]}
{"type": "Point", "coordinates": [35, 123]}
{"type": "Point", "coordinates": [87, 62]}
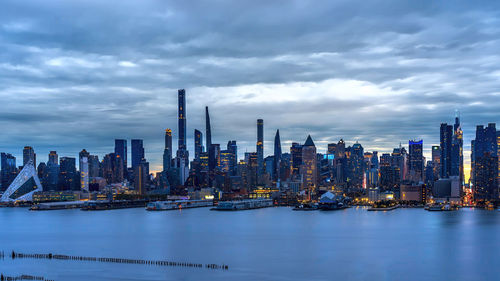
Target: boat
{"type": "Point", "coordinates": [306, 207]}
{"type": "Point", "coordinates": [440, 207]}
{"type": "Point", "coordinates": [57, 205]}
{"type": "Point", "coordinates": [178, 204]}
{"type": "Point", "coordinates": [332, 206]}
{"type": "Point", "coordinates": [243, 205]}
{"type": "Point", "coordinates": [384, 205]}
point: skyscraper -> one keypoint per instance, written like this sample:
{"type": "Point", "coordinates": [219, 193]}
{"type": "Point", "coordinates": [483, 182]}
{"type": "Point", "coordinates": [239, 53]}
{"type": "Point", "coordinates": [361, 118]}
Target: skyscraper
{"type": "Point", "coordinates": [182, 119]}
{"type": "Point", "coordinates": [84, 169]}
{"type": "Point", "coordinates": [457, 159]}
{"type": "Point", "coordinates": [296, 155]}
{"type": "Point", "coordinates": [308, 169]}
{"type": "Point", "coordinates": [485, 179]}
{"type": "Point", "coordinates": [67, 176]}
{"type": "Point", "coordinates": [233, 148]}
{"type": "Point", "coordinates": [208, 129]}
{"type": "Point", "coordinates": [137, 152]}
{"type": "Point", "coordinates": [198, 144]}
{"type": "Point", "coordinates": [277, 155]}
{"type": "Point", "coordinates": [260, 149]}
{"type": "Point", "coordinates": [416, 160]}
{"type": "Point", "coordinates": [29, 154]}
{"type": "Point", "coordinates": [53, 158]}
{"type": "Point", "coordinates": [167, 151]}
{"type": "Point", "coordinates": [9, 170]}
{"type": "Point", "coordinates": [445, 138]}
{"type": "Point", "coordinates": [121, 150]}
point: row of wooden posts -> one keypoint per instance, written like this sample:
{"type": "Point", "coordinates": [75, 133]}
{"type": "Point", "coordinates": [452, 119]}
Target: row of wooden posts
{"type": "Point", "coordinates": [15, 255]}
{"type": "Point", "coordinates": [22, 277]}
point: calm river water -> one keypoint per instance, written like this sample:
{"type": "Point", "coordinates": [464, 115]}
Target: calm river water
{"type": "Point", "coordinates": [264, 244]}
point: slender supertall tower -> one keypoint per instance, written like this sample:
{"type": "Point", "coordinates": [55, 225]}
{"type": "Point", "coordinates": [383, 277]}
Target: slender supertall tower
{"type": "Point", "coordinates": [277, 155]}
{"type": "Point", "coordinates": [182, 120]}
{"type": "Point", "coordinates": [208, 131]}
{"type": "Point", "coordinates": [167, 152]}
{"type": "Point", "coordinates": [260, 148]}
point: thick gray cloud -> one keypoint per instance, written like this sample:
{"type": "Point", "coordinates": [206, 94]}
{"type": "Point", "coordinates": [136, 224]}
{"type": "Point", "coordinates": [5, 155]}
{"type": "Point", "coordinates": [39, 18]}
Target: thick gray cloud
{"type": "Point", "coordinates": [77, 74]}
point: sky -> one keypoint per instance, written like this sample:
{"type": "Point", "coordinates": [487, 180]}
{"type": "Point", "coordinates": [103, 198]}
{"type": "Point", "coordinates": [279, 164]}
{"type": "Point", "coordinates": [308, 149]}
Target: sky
{"type": "Point", "coordinates": [78, 74]}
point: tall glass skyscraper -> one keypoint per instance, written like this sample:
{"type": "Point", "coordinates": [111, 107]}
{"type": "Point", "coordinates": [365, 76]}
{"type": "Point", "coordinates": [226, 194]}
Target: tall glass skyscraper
{"type": "Point", "coordinates": [198, 144]}
{"type": "Point", "coordinates": [416, 160]}
{"type": "Point", "coordinates": [121, 150]}
{"type": "Point", "coordinates": [445, 140]}
{"type": "Point", "coordinates": [182, 119]}
{"type": "Point", "coordinates": [137, 152]}
{"type": "Point", "coordinates": [260, 148]}
{"type": "Point", "coordinates": [167, 151]}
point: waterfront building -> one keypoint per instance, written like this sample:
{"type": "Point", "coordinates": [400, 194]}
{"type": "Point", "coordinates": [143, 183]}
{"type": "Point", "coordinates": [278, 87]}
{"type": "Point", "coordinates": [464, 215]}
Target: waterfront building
{"type": "Point", "coordinates": [24, 185]}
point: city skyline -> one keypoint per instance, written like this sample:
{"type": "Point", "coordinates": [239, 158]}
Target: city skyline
{"type": "Point", "coordinates": [72, 88]}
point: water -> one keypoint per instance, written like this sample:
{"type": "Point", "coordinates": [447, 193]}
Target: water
{"type": "Point", "coordinates": [264, 244]}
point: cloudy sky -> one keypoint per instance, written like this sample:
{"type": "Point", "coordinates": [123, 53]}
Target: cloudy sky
{"type": "Point", "coordinates": [78, 74]}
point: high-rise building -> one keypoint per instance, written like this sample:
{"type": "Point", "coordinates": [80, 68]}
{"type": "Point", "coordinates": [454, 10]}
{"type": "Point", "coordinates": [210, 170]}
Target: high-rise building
{"type": "Point", "coordinates": [9, 170]}
{"type": "Point", "coordinates": [141, 174]}
{"type": "Point", "coordinates": [84, 169]}
{"type": "Point", "coordinates": [29, 154]}
{"type": "Point", "coordinates": [137, 152]}
{"type": "Point", "coordinates": [208, 129]}
{"type": "Point", "coordinates": [485, 179]}
{"type": "Point", "coordinates": [121, 150]}
{"type": "Point", "coordinates": [260, 149]}
{"type": "Point", "coordinates": [182, 119]}
{"type": "Point", "coordinates": [112, 167]}
{"type": "Point", "coordinates": [233, 149]}
{"type": "Point", "coordinates": [308, 168]}
{"type": "Point", "coordinates": [457, 158]}
{"type": "Point", "coordinates": [167, 151]}
{"type": "Point", "coordinates": [445, 137]}
{"type": "Point", "coordinates": [296, 157]}
{"type": "Point", "coordinates": [94, 166]}
{"type": "Point", "coordinates": [416, 160]}
{"type": "Point", "coordinates": [277, 156]}
{"type": "Point", "coordinates": [214, 157]}
{"type": "Point", "coordinates": [198, 143]}
{"type": "Point", "coordinates": [68, 178]}
{"type": "Point", "coordinates": [53, 158]}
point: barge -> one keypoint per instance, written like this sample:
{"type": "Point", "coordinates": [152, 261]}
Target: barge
{"type": "Point", "coordinates": [178, 204]}
{"type": "Point", "coordinates": [243, 205]}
